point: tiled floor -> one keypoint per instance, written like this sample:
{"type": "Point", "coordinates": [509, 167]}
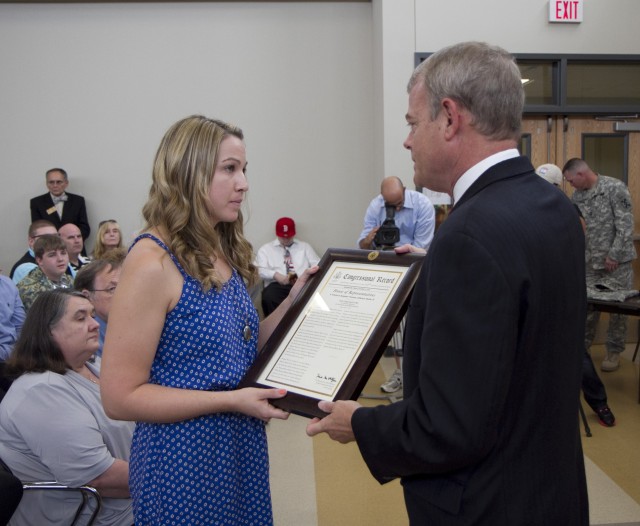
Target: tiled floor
{"type": "Point", "coordinates": [315, 481]}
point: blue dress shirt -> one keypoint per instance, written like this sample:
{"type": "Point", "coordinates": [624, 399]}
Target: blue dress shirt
{"type": "Point", "coordinates": [24, 269]}
{"type": "Point", "coordinates": [11, 316]}
{"type": "Point", "coordinates": [416, 219]}
{"type": "Point", "coordinates": [102, 331]}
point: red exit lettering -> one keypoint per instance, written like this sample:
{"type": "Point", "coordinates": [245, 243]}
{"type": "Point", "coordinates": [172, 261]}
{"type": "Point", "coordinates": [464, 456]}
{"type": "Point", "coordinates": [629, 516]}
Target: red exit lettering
{"type": "Point", "coordinates": [567, 10]}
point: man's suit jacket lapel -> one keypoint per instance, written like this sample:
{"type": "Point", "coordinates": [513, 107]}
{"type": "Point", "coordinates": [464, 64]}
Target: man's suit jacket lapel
{"type": "Point", "coordinates": [47, 204]}
{"type": "Point", "coordinates": [67, 208]}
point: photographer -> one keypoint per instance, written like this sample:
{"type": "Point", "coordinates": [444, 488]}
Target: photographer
{"type": "Point", "coordinates": [397, 217]}
{"type": "Point", "coordinates": [409, 211]}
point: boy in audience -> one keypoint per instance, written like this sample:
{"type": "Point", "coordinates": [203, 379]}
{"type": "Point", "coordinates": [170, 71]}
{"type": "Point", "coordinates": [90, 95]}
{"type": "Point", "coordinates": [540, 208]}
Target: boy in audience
{"type": "Point", "coordinates": [52, 259]}
{"type": "Point", "coordinates": [27, 262]}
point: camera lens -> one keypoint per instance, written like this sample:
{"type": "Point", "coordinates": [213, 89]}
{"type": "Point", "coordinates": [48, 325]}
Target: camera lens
{"type": "Point", "coordinates": [390, 211]}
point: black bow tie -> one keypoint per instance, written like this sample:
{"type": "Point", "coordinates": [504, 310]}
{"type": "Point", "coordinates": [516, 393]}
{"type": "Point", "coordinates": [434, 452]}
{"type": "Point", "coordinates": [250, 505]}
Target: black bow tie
{"type": "Point", "coordinates": [59, 198]}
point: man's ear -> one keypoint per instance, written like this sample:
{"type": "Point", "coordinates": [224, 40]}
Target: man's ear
{"type": "Point", "coordinates": [85, 293]}
{"type": "Point", "coordinates": [451, 113]}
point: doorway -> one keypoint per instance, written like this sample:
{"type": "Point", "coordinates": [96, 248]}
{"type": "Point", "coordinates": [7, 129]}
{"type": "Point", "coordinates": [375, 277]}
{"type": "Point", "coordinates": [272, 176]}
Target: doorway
{"type": "Point", "coordinates": [556, 139]}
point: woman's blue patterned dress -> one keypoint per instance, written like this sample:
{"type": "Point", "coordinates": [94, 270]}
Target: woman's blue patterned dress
{"type": "Point", "coordinates": [211, 470]}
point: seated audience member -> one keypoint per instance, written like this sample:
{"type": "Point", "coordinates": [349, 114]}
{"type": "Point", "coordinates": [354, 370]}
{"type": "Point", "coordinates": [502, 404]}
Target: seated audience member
{"type": "Point", "coordinates": [11, 491]}
{"type": "Point", "coordinates": [27, 263]}
{"type": "Point", "coordinates": [11, 316]}
{"type": "Point", "coordinates": [52, 424]}
{"type": "Point", "coordinates": [550, 173]}
{"type": "Point", "coordinates": [53, 262]}
{"type": "Point", "coordinates": [107, 238]}
{"type": "Point", "coordinates": [413, 215]}
{"type": "Point", "coordinates": [72, 238]}
{"type": "Point", "coordinates": [415, 219]}
{"type": "Point", "coordinates": [98, 281]}
{"type": "Point", "coordinates": [280, 262]}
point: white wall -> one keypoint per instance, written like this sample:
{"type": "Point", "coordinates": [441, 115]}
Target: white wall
{"type": "Point", "coordinates": [520, 26]}
{"type": "Point", "coordinates": [93, 87]}
{"type": "Point", "coordinates": [394, 27]}
{"type": "Point", "coordinates": [319, 88]}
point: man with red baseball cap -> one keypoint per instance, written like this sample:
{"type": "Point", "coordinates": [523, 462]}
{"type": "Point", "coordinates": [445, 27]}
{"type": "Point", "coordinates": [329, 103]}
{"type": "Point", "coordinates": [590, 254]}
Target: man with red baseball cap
{"type": "Point", "coordinates": [280, 262]}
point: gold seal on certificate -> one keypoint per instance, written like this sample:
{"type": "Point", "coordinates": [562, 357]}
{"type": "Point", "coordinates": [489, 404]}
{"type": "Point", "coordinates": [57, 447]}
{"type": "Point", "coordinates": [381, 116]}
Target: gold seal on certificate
{"type": "Point", "coordinates": [330, 340]}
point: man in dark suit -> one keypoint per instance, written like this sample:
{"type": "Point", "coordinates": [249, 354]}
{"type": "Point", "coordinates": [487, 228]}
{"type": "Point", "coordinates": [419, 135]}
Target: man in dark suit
{"type": "Point", "coordinates": [58, 206]}
{"type": "Point", "coordinates": [487, 432]}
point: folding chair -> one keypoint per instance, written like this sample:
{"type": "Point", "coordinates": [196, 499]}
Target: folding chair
{"type": "Point", "coordinates": [88, 494]}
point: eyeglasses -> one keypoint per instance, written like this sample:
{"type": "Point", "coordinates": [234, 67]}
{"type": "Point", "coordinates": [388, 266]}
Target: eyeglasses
{"type": "Point", "coordinates": [111, 290]}
{"type": "Point", "coordinates": [106, 221]}
{"type": "Point", "coordinates": [54, 183]}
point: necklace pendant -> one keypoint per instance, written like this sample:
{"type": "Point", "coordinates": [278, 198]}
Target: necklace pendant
{"type": "Point", "coordinates": [246, 332]}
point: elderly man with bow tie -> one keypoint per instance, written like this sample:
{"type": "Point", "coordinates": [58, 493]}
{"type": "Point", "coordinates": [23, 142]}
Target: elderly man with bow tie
{"type": "Point", "coordinates": [58, 206]}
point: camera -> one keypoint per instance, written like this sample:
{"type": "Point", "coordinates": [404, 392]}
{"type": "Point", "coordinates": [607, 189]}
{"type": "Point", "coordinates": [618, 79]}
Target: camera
{"type": "Point", "coordinates": [388, 234]}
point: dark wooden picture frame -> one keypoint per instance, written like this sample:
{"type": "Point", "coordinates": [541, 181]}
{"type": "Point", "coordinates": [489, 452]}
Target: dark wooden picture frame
{"type": "Point", "coordinates": [368, 357]}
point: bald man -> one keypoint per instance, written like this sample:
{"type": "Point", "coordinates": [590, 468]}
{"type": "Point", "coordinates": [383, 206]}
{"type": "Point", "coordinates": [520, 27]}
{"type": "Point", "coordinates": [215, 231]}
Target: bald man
{"type": "Point", "coordinates": [72, 237]}
{"type": "Point", "coordinates": [415, 218]}
{"type": "Point", "coordinates": [414, 215]}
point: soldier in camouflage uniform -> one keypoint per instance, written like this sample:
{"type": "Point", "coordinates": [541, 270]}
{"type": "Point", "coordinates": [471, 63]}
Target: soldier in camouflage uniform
{"type": "Point", "coordinates": [605, 203]}
{"type": "Point", "coordinates": [52, 259]}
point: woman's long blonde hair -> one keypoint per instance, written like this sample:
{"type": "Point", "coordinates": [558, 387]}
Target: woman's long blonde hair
{"type": "Point", "coordinates": [178, 203]}
{"type": "Point", "coordinates": [99, 249]}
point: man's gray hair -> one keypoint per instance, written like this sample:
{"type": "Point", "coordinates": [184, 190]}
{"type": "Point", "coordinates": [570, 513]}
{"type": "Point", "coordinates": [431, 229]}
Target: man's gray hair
{"type": "Point", "coordinates": [482, 78]}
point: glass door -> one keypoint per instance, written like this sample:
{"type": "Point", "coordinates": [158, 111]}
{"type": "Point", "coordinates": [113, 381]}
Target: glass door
{"type": "Point", "coordinates": [556, 139]}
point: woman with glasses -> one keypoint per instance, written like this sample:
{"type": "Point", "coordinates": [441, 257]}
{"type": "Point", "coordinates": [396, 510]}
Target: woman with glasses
{"type": "Point", "coordinates": [98, 281]}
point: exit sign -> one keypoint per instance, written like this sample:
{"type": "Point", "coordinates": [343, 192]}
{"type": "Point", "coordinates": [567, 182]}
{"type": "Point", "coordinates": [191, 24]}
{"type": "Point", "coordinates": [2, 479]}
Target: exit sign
{"type": "Point", "coordinates": [565, 11]}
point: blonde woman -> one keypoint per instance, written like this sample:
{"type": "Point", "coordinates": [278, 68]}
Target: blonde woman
{"type": "Point", "coordinates": [183, 332]}
{"type": "Point", "coordinates": [107, 238]}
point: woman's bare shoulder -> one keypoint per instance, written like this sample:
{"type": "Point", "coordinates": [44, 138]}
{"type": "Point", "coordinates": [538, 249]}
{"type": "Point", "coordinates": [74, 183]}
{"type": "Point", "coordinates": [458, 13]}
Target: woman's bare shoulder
{"type": "Point", "coordinates": [148, 255]}
{"type": "Point", "coordinates": [148, 264]}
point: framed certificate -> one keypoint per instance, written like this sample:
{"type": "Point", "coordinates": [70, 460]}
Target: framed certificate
{"type": "Point", "coordinates": [330, 340]}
